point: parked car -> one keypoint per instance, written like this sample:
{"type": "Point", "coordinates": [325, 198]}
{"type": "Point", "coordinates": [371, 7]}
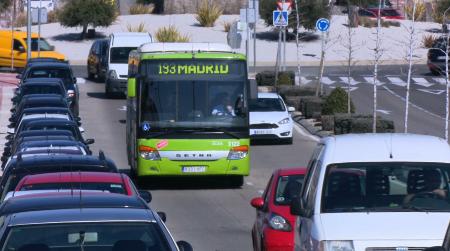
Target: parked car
{"type": "Point", "coordinates": [84, 221]}
{"type": "Point", "coordinates": [97, 62]}
{"type": "Point", "coordinates": [42, 110]}
{"type": "Point", "coordinates": [40, 86]}
{"type": "Point", "coordinates": [37, 100]}
{"type": "Point", "coordinates": [270, 118]}
{"type": "Point", "coordinates": [21, 166]}
{"type": "Point", "coordinates": [273, 229]}
{"type": "Point", "coordinates": [58, 70]}
{"type": "Point", "coordinates": [436, 57]}
{"type": "Point", "coordinates": [374, 192]}
{"type": "Point", "coordinates": [96, 181]}
{"type": "Point", "coordinates": [19, 48]}
{"type": "Point", "coordinates": [120, 45]}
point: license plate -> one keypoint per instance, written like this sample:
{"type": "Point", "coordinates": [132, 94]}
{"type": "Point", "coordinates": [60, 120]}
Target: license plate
{"type": "Point", "coordinates": [193, 169]}
{"type": "Point", "coordinates": [262, 131]}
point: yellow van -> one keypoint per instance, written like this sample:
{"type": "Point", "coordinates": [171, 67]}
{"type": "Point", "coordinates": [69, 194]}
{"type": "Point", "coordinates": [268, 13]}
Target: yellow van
{"type": "Point", "coordinates": [20, 48]}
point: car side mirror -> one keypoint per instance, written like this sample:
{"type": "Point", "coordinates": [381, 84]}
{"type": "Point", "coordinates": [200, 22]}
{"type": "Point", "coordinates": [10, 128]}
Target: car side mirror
{"type": "Point", "coordinates": [257, 203]}
{"type": "Point", "coordinates": [435, 248]}
{"type": "Point", "coordinates": [298, 208]}
{"type": "Point", "coordinates": [184, 246]}
{"type": "Point", "coordinates": [146, 195]}
{"type": "Point", "coordinates": [7, 149]}
{"type": "Point", "coordinates": [162, 215]}
{"type": "Point", "coordinates": [74, 79]}
{"type": "Point", "coordinates": [89, 141]}
{"type": "Point", "coordinates": [11, 120]}
{"type": "Point", "coordinates": [3, 158]}
{"type": "Point", "coordinates": [291, 109]}
{"type": "Point", "coordinates": [19, 76]}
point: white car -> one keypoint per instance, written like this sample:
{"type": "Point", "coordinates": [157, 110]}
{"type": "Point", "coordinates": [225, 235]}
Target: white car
{"type": "Point", "coordinates": [372, 192]}
{"type": "Point", "coordinates": [270, 118]}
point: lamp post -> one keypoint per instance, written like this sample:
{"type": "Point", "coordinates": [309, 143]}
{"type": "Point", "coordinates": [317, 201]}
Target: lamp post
{"type": "Point", "coordinates": [446, 71]}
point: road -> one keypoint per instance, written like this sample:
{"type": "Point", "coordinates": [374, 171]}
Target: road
{"type": "Point", "coordinates": [213, 217]}
{"type": "Point", "coordinates": [209, 216]}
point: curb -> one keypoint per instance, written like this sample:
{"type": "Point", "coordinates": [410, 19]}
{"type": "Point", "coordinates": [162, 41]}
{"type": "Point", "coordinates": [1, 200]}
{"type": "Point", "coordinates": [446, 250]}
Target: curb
{"type": "Point", "coordinates": [309, 125]}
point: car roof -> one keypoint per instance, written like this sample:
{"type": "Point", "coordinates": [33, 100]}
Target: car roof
{"type": "Point", "coordinates": [74, 177]}
{"type": "Point", "coordinates": [46, 109]}
{"type": "Point", "coordinates": [59, 163]}
{"type": "Point", "coordinates": [52, 121]}
{"type": "Point", "coordinates": [45, 133]}
{"type": "Point", "coordinates": [45, 116]}
{"type": "Point", "coordinates": [49, 65]}
{"type": "Point", "coordinates": [55, 142]}
{"type": "Point", "coordinates": [291, 171]}
{"type": "Point", "coordinates": [268, 95]}
{"type": "Point", "coordinates": [70, 200]}
{"type": "Point", "coordinates": [385, 147]}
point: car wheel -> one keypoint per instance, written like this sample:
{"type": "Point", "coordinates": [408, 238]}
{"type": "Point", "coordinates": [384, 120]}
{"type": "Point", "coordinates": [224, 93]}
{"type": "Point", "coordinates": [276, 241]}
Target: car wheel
{"type": "Point", "coordinates": [236, 181]}
{"type": "Point", "coordinates": [90, 74]}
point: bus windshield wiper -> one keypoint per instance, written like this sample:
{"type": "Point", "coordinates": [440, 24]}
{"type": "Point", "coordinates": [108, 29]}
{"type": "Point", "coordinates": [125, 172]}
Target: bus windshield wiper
{"type": "Point", "coordinates": [222, 130]}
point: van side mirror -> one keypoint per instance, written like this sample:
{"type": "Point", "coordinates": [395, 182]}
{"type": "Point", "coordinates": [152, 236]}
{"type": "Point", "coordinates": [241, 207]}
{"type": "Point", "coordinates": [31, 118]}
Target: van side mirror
{"type": "Point", "coordinates": [184, 246]}
{"type": "Point", "coordinates": [21, 49]}
{"type": "Point", "coordinates": [146, 195]}
{"type": "Point", "coordinates": [298, 208]}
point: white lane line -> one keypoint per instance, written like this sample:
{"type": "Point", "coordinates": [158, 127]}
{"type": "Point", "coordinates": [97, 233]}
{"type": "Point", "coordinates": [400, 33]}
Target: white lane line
{"type": "Point", "coordinates": [384, 111]}
{"type": "Point", "coordinates": [431, 91]}
{"type": "Point", "coordinates": [370, 80]}
{"type": "Point", "coordinates": [396, 81]}
{"type": "Point", "coordinates": [346, 79]}
{"type": "Point", "coordinates": [249, 183]}
{"type": "Point", "coordinates": [81, 81]}
{"type": "Point", "coordinates": [412, 104]}
{"type": "Point", "coordinates": [422, 82]}
{"type": "Point", "coordinates": [305, 133]}
{"type": "Point", "coordinates": [327, 81]}
{"type": "Point", "coordinates": [440, 80]}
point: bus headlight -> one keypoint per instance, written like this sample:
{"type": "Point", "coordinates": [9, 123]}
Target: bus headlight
{"type": "Point", "coordinates": [149, 153]}
{"type": "Point", "coordinates": [238, 152]}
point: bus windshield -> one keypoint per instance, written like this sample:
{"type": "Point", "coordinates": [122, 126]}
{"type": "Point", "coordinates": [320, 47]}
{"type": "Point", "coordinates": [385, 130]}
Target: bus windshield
{"type": "Point", "coordinates": [194, 94]}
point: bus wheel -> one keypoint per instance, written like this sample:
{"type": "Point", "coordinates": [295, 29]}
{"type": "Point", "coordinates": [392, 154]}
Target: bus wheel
{"type": "Point", "coordinates": [236, 181]}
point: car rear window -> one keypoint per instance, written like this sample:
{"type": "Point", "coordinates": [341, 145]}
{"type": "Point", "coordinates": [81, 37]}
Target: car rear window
{"type": "Point", "coordinates": [104, 187]}
{"type": "Point", "coordinates": [288, 187]}
{"type": "Point", "coordinates": [33, 89]}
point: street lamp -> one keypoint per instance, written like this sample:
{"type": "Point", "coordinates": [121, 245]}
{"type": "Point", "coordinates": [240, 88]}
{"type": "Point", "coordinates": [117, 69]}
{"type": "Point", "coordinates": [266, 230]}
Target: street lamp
{"type": "Point", "coordinates": [446, 71]}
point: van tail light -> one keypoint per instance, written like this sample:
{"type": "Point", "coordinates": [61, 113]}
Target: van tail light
{"type": "Point", "coordinates": [149, 153]}
{"type": "Point", "coordinates": [238, 152]}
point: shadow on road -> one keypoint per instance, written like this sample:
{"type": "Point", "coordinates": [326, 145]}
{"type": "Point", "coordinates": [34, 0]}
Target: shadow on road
{"type": "Point", "coordinates": [102, 95]}
{"type": "Point", "coordinates": [185, 183]}
{"type": "Point", "coordinates": [71, 37]}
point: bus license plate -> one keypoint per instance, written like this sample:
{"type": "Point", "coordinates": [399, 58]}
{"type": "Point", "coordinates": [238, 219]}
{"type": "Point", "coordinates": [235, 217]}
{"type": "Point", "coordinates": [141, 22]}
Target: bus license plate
{"type": "Point", "coordinates": [194, 169]}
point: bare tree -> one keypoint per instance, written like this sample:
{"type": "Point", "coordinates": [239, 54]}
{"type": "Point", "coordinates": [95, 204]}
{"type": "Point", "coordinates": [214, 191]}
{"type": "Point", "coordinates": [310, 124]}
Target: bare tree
{"type": "Point", "coordinates": [325, 40]}
{"type": "Point", "coordinates": [378, 54]}
{"type": "Point", "coordinates": [446, 73]}
{"type": "Point", "coordinates": [351, 50]}
{"type": "Point", "coordinates": [412, 39]}
{"type": "Point", "coordinates": [297, 41]}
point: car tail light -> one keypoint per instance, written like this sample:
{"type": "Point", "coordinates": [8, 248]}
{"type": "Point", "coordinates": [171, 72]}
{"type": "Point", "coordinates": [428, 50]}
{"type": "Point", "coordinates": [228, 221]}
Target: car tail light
{"type": "Point", "coordinates": [71, 93]}
{"type": "Point", "coordinates": [149, 153]}
{"type": "Point", "coordinates": [238, 152]}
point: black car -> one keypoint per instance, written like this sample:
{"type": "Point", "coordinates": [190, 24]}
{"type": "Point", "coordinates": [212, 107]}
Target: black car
{"type": "Point", "coordinates": [37, 100]}
{"type": "Point", "coordinates": [42, 110]}
{"type": "Point", "coordinates": [55, 124]}
{"type": "Point", "coordinates": [84, 221]}
{"type": "Point", "coordinates": [59, 70]}
{"type": "Point", "coordinates": [32, 61]}
{"type": "Point", "coordinates": [436, 57]}
{"type": "Point", "coordinates": [20, 166]}
{"type": "Point", "coordinates": [40, 86]}
{"type": "Point", "coordinates": [97, 62]}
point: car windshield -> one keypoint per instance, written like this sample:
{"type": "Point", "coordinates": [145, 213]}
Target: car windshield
{"type": "Point", "coordinates": [390, 186]}
{"type": "Point", "coordinates": [288, 187]}
{"type": "Point", "coordinates": [44, 46]}
{"type": "Point", "coordinates": [113, 236]}
{"type": "Point", "coordinates": [100, 186]}
{"type": "Point", "coordinates": [43, 89]}
{"type": "Point", "coordinates": [60, 73]}
{"type": "Point", "coordinates": [267, 105]}
{"type": "Point", "coordinates": [119, 55]}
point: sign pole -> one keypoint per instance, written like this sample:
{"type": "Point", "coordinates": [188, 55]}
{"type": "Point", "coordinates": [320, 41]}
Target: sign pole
{"type": "Point", "coordinates": [28, 29]}
{"type": "Point", "coordinates": [13, 18]}
{"type": "Point", "coordinates": [246, 40]}
{"type": "Point", "coordinates": [39, 29]}
{"type": "Point", "coordinates": [254, 35]}
{"type": "Point", "coordinates": [277, 64]}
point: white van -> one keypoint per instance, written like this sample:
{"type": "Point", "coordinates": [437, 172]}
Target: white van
{"type": "Point", "coordinates": [375, 192]}
{"type": "Point", "coordinates": [120, 45]}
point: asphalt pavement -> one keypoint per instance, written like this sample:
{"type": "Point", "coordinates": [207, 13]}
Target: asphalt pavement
{"type": "Point", "coordinates": [204, 212]}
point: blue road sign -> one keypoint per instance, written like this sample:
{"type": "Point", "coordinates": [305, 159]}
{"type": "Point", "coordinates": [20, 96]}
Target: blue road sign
{"type": "Point", "coordinates": [280, 18]}
{"type": "Point", "coordinates": [323, 24]}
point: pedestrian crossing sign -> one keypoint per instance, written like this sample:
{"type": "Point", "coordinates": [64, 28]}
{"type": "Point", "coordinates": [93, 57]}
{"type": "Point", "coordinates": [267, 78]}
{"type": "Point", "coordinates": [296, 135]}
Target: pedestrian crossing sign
{"type": "Point", "coordinates": [280, 18]}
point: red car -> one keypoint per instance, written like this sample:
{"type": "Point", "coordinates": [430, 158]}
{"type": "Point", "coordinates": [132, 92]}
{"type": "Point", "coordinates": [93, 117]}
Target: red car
{"type": "Point", "coordinates": [273, 229]}
{"type": "Point", "coordinates": [97, 181]}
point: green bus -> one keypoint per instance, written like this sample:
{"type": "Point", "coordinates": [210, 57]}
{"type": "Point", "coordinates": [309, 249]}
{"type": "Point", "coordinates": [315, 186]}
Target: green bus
{"type": "Point", "coordinates": [187, 111]}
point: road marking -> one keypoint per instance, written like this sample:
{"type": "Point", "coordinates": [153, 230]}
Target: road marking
{"type": "Point", "coordinates": [440, 80]}
{"type": "Point", "coordinates": [384, 111]}
{"type": "Point", "coordinates": [81, 81]}
{"type": "Point", "coordinates": [304, 80]}
{"type": "Point", "coordinates": [260, 191]}
{"type": "Point", "coordinates": [327, 81]}
{"type": "Point", "coordinates": [123, 108]}
{"type": "Point", "coordinates": [422, 82]}
{"type": "Point", "coordinates": [432, 91]}
{"type": "Point", "coordinates": [249, 183]}
{"type": "Point", "coordinates": [396, 81]}
{"type": "Point", "coordinates": [370, 80]}
{"type": "Point", "coordinates": [353, 88]}
{"type": "Point", "coordinates": [352, 81]}
{"type": "Point", "coordinates": [305, 133]}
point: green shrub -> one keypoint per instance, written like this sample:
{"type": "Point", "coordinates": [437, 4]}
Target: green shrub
{"type": "Point", "coordinates": [170, 34]}
{"type": "Point", "coordinates": [296, 90]}
{"type": "Point", "coordinates": [345, 123]}
{"type": "Point", "coordinates": [336, 102]}
{"type": "Point", "coordinates": [138, 9]}
{"type": "Point", "coordinates": [267, 78]}
{"type": "Point", "coordinates": [208, 12]}
{"type": "Point", "coordinates": [52, 16]}
{"type": "Point", "coordinates": [141, 27]}
{"type": "Point", "coordinates": [286, 78]}
{"type": "Point", "coordinates": [311, 106]}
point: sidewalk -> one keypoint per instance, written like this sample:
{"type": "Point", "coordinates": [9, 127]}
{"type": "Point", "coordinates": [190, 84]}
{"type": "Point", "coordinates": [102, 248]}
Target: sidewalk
{"type": "Point", "coordinates": [8, 83]}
